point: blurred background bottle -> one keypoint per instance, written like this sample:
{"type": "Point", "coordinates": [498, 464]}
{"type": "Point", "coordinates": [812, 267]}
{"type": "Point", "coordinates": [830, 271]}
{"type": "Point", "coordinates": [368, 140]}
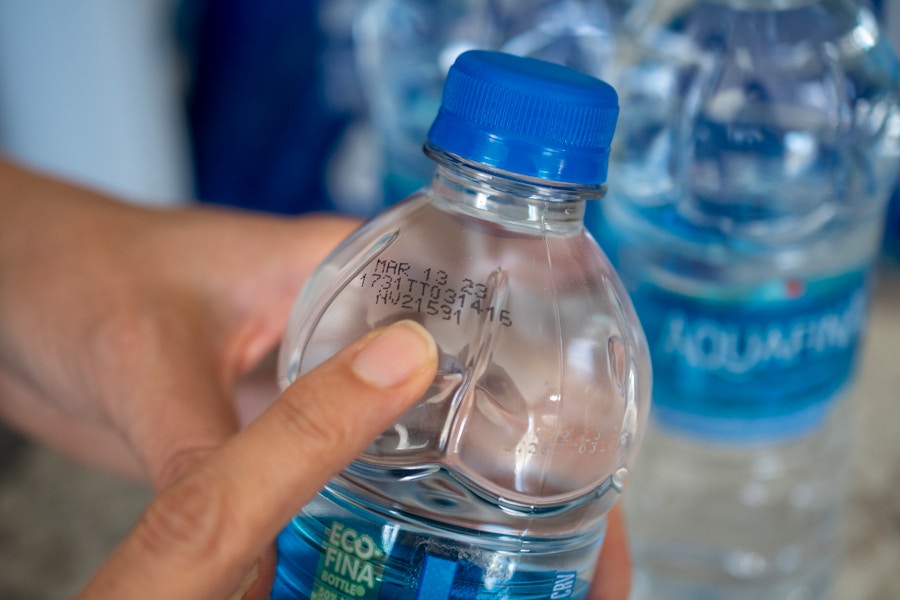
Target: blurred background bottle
{"type": "Point", "coordinates": [497, 483]}
{"type": "Point", "coordinates": [405, 47]}
{"type": "Point", "coordinates": [889, 17]}
{"type": "Point", "coordinates": [892, 228]}
{"type": "Point", "coordinates": [755, 153]}
{"type": "Point", "coordinates": [404, 50]}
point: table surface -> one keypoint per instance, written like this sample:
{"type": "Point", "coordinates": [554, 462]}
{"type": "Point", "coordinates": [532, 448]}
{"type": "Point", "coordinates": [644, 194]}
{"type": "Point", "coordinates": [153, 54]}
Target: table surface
{"type": "Point", "coordinates": [58, 520]}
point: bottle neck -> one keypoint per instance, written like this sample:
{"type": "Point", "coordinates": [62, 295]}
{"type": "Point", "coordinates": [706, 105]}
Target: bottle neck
{"type": "Point", "coordinates": [516, 202]}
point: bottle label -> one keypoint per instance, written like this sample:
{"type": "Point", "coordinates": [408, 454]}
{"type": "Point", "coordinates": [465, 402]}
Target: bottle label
{"type": "Point", "coordinates": [760, 367]}
{"type": "Point", "coordinates": [352, 566]}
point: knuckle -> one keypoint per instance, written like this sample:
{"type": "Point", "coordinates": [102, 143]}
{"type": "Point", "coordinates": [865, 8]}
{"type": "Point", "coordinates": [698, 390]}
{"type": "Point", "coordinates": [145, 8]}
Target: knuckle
{"type": "Point", "coordinates": [124, 327]}
{"type": "Point", "coordinates": [178, 461]}
{"type": "Point", "coordinates": [187, 519]}
{"type": "Point", "coordinates": [309, 419]}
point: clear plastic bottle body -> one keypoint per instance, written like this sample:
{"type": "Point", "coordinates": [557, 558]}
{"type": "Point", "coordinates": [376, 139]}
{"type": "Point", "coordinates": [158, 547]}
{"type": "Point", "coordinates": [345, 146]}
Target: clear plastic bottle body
{"type": "Point", "coordinates": [508, 465]}
{"type": "Point", "coordinates": [748, 185]}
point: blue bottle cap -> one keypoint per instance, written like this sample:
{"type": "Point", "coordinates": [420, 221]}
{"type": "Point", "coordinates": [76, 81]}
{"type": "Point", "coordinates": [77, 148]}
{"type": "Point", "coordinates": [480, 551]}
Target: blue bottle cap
{"type": "Point", "coordinates": [527, 116]}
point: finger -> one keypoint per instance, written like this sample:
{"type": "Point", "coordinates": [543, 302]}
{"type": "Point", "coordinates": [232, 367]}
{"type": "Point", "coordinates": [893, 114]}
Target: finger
{"type": "Point", "coordinates": [612, 577]}
{"type": "Point", "coordinates": [200, 536]}
{"type": "Point", "coordinates": [255, 391]}
{"type": "Point", "coordinates": [248, 289]}
{"type": "Point", "coordinates": [247, 267]}
{"type": "Point", "coordinates": [258, 581]}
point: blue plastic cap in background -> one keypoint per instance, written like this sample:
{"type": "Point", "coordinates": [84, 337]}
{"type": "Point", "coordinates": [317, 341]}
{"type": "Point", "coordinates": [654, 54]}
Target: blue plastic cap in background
{"type": "Point", "coordinates": [527, 116]}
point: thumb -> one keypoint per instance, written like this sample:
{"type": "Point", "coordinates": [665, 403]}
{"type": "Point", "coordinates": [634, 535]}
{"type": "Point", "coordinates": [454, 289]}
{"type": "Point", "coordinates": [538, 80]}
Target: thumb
{"type": "Point", "coordinates": [202, 534]}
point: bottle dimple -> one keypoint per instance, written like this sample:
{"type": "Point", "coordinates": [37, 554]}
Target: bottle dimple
{"type": "Point", "coordinates": [617, 361]}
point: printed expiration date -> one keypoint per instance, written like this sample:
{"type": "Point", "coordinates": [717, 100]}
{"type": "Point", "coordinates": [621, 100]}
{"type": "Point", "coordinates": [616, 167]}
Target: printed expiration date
{"type": "Point", "coordinates": [430, 292]}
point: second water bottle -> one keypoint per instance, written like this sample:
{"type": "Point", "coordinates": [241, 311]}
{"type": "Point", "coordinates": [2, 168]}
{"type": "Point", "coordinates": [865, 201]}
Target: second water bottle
{"type": "Point", "coordinates": [758, 144]}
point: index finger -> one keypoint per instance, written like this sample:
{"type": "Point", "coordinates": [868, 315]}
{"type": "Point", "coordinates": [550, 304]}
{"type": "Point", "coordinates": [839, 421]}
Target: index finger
{"type": "Point", "coordinates": [198, 538]}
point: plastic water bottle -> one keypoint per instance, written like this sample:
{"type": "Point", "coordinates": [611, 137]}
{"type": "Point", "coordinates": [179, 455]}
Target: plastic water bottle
{"type": "Point", "coordinates": [576, 33]}
{"type": "Point", "coordinates": [497, 483]}
{"type": "Point", "coordinates": [757, 147]}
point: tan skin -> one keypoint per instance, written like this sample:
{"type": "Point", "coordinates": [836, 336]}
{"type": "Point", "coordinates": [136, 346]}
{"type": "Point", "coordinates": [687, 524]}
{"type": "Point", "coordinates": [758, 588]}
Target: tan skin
{"type": "Point", "coordinates": [128, 339]}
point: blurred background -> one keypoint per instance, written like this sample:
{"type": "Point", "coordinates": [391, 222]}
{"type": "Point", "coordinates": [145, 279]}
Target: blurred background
{"type": "Point", "coordinates": [291, 106]}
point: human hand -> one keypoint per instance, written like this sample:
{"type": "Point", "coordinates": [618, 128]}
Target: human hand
{"type": "Point", "coordinates": [612, 577]}
{"type": "Point", "coordinates": [125, 332]}
{"type": "Point", "coordinates": [205, 533]}
{"type": "Point", "coordinates": [209, 534]}
{"type": "Point", "coordinates": [124, 335]}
